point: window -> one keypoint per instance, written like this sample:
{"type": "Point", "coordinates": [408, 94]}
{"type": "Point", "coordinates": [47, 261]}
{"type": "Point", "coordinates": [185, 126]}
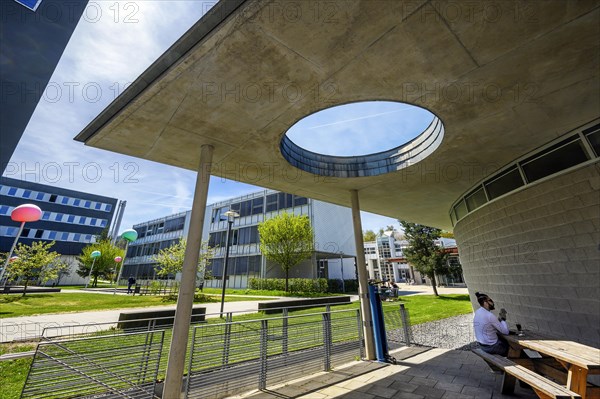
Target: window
{"type": "Point", "coordinates": [246, 208]}
{"type": "Point", "coordinates": [25, 233]}
{"type": "Point", "coordinates": [4, 210]}
{"type": "Point", "coordinates": [82, 219]}
{"type": "Point", "coordinates": [77, 202]}
{"type": "Point", "coordinates": [12, 191]}
{"type": "Point", "coordinates": [175, 224]}
{"type": "Point", "coordinates": [299, 201]}
{"type": "Point", "coordinates": [103, 223]}
{"type": "Point", "coordinates": [593, 136]}
{"type": "Point", "coordinates": [98, 205]}
{"type": "Point", "coordinates": [460, 210]}
{"type": "Point", "coordinates": [26, 193]}
{"type": "Point", "coordinates": [53, 197]}
{"type": "Point", "coordinates": [271, 203]}
{"type": "Point", "coordinates": [554, 159]}
{"type": "Point", "coordinates": [87, 204]}
{"type": "Point", "coordinates": [65, 200]}
{"type": "Point", "coordinates": [475, 199]}
{"type": "Point", "coordinates": [39, 196]}
{"type": "Point", "coordinates": [46, 216]}
{"type": "Point", "coordinates": [88, 238]}
{"type": "Point", "coordinates": [257, 206]}
{"type": "Point", "coordinates": [58, 217]}
{"type": "Point", "coordinates": [504, 183]}
{"type": "Point", "coordinates": [108, 207]}
{"type": "Point", "coordinates": [77, 237]}
{"type": "Point", "coordinates": [93, 221]}
{"type": "Point", "coordinates": [39, 233]}
{"type": "Point", "coordinates": [64, 236]}
{"type": "Point", "coordinates": [52, 235]}
{"type": "Point", "coordinates": [71, 219]}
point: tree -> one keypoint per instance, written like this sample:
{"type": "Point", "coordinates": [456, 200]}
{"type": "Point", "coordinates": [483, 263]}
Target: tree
{"type": "Point", "coordinates": [286, 239]}
{"type": "Point", "coordinates": [369, 235]}
{"type": "Point", "coordinates": [104, 264]}
{"type": "Point", "coordinates": [447, 234]}
{"type": "Point", "coordinates": [33, 262]}
{"type": "Point", "coordinates": [61, 268]}
{"type": "Point", "coordinates": [170, 260]}
{"type": "Point", "coordinates": [423, 253]}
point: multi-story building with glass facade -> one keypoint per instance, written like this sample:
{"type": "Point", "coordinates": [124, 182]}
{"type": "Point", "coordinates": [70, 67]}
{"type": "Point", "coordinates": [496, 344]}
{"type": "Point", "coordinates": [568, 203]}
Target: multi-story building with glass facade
{"type": "Point", "coordinates": [72, 219]}
{"type": "Point", "coordinates": [385, 260]}
{"type": "Point", "coordinates": [332, 225]}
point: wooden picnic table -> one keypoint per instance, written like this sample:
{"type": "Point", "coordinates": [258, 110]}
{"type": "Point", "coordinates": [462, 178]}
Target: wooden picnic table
{"type": "Point", "coordinates": [576, 360]}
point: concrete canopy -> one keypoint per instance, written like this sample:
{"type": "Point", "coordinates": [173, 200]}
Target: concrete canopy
{"type": "Point", "coordinates": [504, 77]}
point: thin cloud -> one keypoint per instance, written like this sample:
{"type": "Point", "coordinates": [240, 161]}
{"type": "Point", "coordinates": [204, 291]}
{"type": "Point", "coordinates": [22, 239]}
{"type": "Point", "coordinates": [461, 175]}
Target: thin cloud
{"type": "Point", "coordinates": [357, 119]}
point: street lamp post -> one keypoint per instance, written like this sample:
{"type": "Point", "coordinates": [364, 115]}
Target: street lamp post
{"type": "Point", "coordinates": [231, 215]}
{"type": "Point", "coordinates": [118, 260]}
{"type": "Point", "coordinates": [94, 255]}
{"type": "Point", "coordinates": [22, 213]}
{"type": "Point", "coordinates": [129, 235]}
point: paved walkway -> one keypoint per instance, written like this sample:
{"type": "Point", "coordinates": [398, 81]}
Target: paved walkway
{"type": "Point", "coordinates": [420, 373]}
{"type": "Point", "coordinates": [31, 327]}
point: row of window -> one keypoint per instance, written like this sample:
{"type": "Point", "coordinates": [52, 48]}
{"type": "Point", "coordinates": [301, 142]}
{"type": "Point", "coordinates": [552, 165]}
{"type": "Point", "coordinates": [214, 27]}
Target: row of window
{"type": "Point", "coordinates": [52, 235]}
{"type": "Point", "coordinates": [6, 210]}
{"type": "Point", "coordinates": [164, 226]}
{"type": "Point", "coordinates": [241, 236]}
{"type": "Point", "coordinates": [149, 249]}
{"type": "Point", "coordinates": [256, 206]}
{"type": "Point", "coordinates": [562, 155]}
{"type": "Point", "coordinates": [59, 199]}
{"type": "Point", "coordinates": [238, 265]}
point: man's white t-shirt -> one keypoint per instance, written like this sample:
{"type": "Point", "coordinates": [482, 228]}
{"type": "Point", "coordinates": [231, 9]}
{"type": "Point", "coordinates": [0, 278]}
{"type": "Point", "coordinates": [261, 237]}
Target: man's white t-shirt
{"type": "Point", "coordinates": [486, 326]}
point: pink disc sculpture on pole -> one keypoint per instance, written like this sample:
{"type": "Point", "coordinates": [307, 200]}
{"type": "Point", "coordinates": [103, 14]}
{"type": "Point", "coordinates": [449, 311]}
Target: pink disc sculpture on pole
{"type": "Point", "coordinates": [23, 213]}
{"type": "Point", "coordinates": [26, 213]}
{"type": "Point", "coordinates": [118, 259]}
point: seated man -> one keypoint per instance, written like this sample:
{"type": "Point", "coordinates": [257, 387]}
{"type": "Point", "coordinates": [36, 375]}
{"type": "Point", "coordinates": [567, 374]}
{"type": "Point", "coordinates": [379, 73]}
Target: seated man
{"type": "Point", "coordinates": [487, 326]}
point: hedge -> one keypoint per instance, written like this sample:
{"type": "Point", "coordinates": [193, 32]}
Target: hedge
{"type": "Point", "coordinates": [303, 285]}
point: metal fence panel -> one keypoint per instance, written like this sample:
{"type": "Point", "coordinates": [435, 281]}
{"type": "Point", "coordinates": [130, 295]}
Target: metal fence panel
{"type": "Point", "coordinates": [221, 362]}
{"type": "Point", "coordinates": [260, 352]}
{"type": "Point", "coordinates": [120, 366]}
{"type": "Point", "coordinates": [397, 325]}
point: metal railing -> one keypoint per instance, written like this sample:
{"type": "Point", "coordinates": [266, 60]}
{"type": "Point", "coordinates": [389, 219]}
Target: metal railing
{"type": "Point", "coordinates": [233, 357]}
{"type": "Point", "coordinates": [123, 366]}
{"type": "Point", "coordinates": [226, 357]}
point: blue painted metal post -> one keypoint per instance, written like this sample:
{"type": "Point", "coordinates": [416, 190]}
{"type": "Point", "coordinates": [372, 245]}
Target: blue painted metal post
{"type": "Point", "coordinates": [380, 338]}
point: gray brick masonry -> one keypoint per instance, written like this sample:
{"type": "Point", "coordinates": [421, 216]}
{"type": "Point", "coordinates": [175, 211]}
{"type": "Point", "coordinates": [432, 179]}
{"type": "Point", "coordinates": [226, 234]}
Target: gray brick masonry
{"type": "Point", "coordinates": [536, 252]}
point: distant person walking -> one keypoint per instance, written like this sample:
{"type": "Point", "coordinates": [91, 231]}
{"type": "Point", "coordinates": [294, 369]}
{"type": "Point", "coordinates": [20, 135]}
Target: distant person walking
{"type": "Point", "coordinates": [130, 283]}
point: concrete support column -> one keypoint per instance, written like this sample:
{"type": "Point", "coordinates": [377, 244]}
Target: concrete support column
{"type": "Point", "coordinates": [185, 300]}
{"type": "Point", "coordinates": [363, 280]}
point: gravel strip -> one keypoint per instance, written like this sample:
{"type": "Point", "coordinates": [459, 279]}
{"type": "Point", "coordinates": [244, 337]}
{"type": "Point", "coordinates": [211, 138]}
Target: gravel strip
{"type": "Point", "coordinates": [450, 333]}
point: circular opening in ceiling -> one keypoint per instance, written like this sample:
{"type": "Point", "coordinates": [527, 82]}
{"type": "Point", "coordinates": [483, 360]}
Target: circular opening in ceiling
{"type": "Point", "coordinates": [362, 139]}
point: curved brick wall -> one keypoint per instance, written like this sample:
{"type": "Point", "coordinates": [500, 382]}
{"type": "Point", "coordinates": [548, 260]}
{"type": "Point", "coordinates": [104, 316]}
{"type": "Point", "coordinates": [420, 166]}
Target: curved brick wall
{"type": "Point", "coordinates": [536, 253]}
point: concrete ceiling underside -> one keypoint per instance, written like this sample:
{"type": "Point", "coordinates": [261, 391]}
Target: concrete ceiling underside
{"type": "Point", "coordinates": [504, 77]}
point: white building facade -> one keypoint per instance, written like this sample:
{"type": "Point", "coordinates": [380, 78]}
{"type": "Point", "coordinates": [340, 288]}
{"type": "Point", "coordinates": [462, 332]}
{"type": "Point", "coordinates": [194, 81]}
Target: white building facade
{"type": "Point", "coordinates": [385, 260]}
{"type": "Point", "coordinates": [333, 239]}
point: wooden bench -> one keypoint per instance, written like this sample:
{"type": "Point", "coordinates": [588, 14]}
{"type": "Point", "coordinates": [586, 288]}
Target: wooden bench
{"type": "Point", "coordinates": [543, 387]}
{"type": "Point", "coordinates": [301, 303]}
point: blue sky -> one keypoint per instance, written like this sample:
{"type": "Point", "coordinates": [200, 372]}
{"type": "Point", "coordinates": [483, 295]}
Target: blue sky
{"type": "Point", "coordinates": [112, 45]}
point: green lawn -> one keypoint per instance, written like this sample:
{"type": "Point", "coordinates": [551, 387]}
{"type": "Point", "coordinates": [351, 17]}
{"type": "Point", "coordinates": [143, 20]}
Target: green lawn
{"type": "Point", "coordinates": [14, 372]}
{"type": "Point", "coordinates": [36, 304]}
